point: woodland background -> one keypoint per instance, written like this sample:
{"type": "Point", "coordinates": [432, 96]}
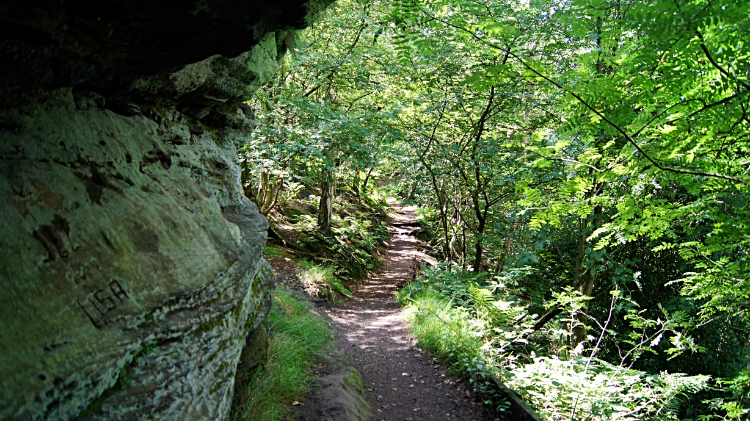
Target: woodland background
{"type": "Point", "coordinates": [581, 169]}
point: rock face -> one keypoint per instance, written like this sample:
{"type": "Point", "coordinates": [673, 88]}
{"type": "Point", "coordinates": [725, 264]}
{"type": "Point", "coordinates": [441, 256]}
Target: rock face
{"type": "Point", "coordinates": [130, 262]}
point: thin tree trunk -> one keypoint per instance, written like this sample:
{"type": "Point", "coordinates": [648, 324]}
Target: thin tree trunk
{"type": "Point", "coordinates": [479, 247]}
{"type": "Point", "coordinates": [356, 184]}
{"type": "Point", "coordinates": [463, 246]}
{"type": "Point", "coordinates": [507, 245]}
{"type": "Point", "coordinates": [458, 224]}
{"type": "Point", "coordinates": [586, 285]}
{"type": "Point", "coordinates": [325, 208]}
{"type": "Point", "coordinates": [268, 193]}
{"type": "Point", "coordinates": [578, 322]}
{"type": "Point", "coordinates": [412, 189]}
{"type": "Point", "coordinates": [367, 178]}
{"type": "Point", "coordinates": [444, 218]}
{"type": "Point", "coordinates": [584, 279]}
{"type": "Point", "coordinates": [546, 318]}
{"type": "Point", "coordinates": [262, 189]}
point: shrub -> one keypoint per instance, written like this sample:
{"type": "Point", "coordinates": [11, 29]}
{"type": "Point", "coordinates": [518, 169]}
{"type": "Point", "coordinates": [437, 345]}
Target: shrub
{"type": "Point", "coordinates": [467, 322]}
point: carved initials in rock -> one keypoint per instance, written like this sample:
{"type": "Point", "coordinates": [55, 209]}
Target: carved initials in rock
{"type": "Point", "coordinates": [102, 301]}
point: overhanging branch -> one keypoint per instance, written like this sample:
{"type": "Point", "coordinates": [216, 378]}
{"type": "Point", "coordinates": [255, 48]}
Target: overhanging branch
{"type": "Point", "coordinates": [578, 98]}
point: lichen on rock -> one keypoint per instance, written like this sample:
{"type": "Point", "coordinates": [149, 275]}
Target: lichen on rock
{"type": "Point", "coordinates": [133, 233]}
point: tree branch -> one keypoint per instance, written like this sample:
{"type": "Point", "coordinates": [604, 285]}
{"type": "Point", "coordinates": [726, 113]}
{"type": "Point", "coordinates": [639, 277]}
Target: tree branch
{"type": "Point", "coordinates": [585, 103]}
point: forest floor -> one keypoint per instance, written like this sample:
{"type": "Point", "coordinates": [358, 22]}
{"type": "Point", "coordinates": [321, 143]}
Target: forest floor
{"type": "Point", "coordinates": [402, 381]}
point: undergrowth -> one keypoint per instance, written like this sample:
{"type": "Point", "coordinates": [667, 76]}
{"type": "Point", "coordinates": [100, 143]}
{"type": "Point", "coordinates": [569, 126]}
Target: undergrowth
{"type": "Point", "coordinates": [320, 281]}
{"type": "Point", "coordinates": [359, 226]}
{"type": "Point", "coordinates": [447, 332]}
{"type": "Point", "coordinates": [297, 338]}
{"type": "Point", "coordinates": [481, 333]}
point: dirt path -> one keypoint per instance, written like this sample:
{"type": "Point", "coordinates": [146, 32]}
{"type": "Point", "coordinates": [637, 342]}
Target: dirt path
{"type": "Point", "coordinates": [403, 382]}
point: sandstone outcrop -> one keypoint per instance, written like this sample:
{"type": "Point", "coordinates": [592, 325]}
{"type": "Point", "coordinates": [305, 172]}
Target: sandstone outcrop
{"type": "Point", "coordinates": [131, 268]}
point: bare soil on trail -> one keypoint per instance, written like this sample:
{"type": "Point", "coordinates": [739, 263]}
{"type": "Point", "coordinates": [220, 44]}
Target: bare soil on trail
{"type": "Point", "coordinates": [402, 381]}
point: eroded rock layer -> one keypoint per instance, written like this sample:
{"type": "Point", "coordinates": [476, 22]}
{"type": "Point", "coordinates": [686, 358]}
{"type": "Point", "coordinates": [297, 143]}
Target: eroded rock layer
{"type": "Point", "coordinates": [130, 261]}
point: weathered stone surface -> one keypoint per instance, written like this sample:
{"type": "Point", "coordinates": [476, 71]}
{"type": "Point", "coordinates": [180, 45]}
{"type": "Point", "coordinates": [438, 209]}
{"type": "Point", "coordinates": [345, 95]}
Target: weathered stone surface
{"type": "Point", "coordinates": [196, 88]}
{"type": "Point", "coordinates": [130, 261]}
{"type": "Point", "coordinates": [130, 264]}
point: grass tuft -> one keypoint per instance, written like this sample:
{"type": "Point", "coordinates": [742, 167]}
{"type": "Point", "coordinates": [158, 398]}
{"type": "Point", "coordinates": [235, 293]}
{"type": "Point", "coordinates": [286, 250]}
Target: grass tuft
{"type": "Point", "coordinates": [320, 281]}
{"type": "Point", "coordinates": [439, 327]}
{"type": "Point", "coordinates": [298, 337]}
{"type": "Point", "coordinates": [449, 333]}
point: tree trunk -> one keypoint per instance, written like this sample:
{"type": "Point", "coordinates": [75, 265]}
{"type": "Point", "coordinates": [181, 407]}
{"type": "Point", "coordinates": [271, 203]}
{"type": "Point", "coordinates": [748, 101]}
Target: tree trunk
{"type": "Point", "coordinates": [268, 193]}
{"type": "Point", "coordinates": [586, 287]}
{"type": "Point", "coordinates": [479, 247]}
{"type": "Point", "coordinates": [481, 215]}
{"type": "Point", "coordinates": [364, 183]}
{"type": "Point", "coordinates": [444, 218]}
{"type": "Point", "coordinates": [325, 208]}
{"type": "Point", "coordinates": [584, 280]}
{"type": "Point", "coordinates": [412, 190]}
{"type": "Point", "coordinates": [507, 246]}
{"type": "Point", "coordinates": [356, 184]}
{"type": "Point", "coordinates": [475, 195]}
{"type": "Point", "coordinates": [463, 246]}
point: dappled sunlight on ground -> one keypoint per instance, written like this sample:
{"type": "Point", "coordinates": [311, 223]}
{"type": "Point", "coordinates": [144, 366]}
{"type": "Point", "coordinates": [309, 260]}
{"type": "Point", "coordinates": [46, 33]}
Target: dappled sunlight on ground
{"type": "Point", "coordinates": [403, 383]}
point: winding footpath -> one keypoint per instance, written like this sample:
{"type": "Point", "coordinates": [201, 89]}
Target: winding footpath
{"type": "Point", "coordinates": [402, 382]}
